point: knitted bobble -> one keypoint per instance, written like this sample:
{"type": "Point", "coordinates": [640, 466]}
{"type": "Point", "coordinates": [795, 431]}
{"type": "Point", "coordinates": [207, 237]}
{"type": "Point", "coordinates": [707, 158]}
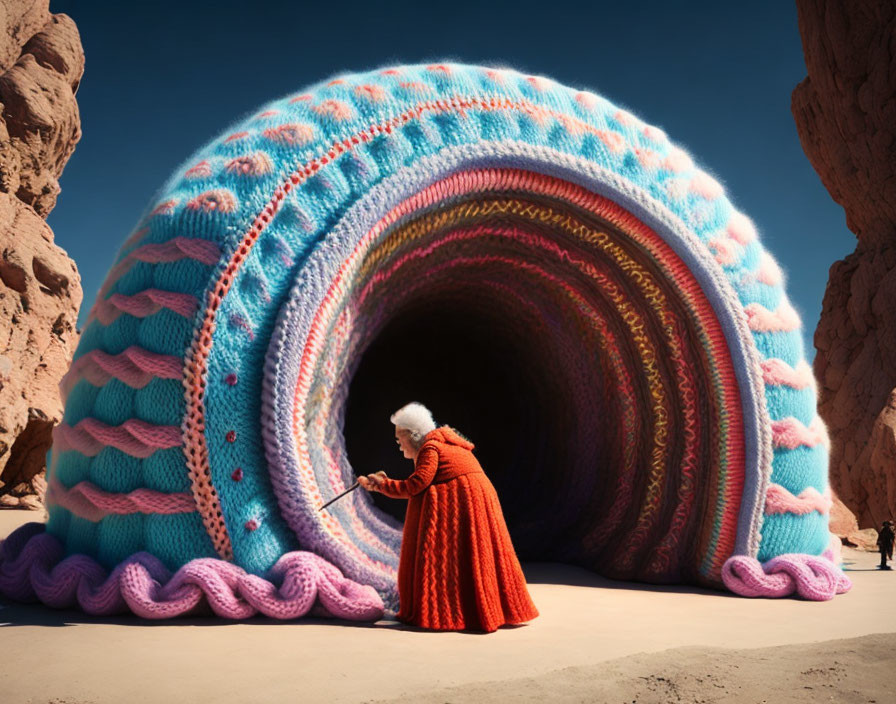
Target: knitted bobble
{"type": "Point", "coordinates": [219, 200]}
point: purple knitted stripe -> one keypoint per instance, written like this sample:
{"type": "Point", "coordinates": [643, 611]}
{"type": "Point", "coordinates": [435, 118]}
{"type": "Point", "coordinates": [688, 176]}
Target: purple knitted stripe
{"type": "Point", "coordinates": [32, 568]}
{"type": "Point", "coordinates": [812, 577]}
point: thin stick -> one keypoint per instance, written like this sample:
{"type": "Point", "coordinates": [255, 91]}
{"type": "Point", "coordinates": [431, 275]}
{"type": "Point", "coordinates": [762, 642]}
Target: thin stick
{"type": "Point", "coordinates": [339, 496]}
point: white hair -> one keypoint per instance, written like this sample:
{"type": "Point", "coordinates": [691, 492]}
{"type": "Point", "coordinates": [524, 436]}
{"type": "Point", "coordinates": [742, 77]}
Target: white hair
{"type": "Point", "coordinates": [416, 419]}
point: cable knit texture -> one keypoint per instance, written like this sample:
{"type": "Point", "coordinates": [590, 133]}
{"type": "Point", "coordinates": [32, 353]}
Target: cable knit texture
{"type": "Point", "coordinates": [458, 567]}
{"type": "Point", "coordinates": [32, 568]}
{"type": "Point", "coordinates": [205, 405]}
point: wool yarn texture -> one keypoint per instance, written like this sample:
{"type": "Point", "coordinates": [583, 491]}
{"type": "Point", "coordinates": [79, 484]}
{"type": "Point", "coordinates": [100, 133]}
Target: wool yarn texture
{"type": "Point", "coordinates": [204, 405]}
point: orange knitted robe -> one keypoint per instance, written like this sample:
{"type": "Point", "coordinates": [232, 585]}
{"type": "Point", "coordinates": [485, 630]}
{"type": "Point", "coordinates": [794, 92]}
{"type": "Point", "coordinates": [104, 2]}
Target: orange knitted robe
{"type": "Point", "coordinates": [458, 569]}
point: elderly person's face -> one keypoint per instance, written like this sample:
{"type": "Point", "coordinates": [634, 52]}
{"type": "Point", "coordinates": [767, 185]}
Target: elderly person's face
{"type": "Point", "coordinates": [403, 438]}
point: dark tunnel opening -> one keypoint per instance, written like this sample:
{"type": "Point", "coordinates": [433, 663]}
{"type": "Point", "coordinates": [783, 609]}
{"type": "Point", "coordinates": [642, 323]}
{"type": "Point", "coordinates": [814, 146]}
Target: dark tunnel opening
{"type": "Point", "coordinates": [511, 398]}
{"type": "Point", "coordinates": [576, 356]}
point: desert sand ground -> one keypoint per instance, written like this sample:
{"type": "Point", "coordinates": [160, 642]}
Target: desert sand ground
{"type": "Point", "coordinates": [596, 640]}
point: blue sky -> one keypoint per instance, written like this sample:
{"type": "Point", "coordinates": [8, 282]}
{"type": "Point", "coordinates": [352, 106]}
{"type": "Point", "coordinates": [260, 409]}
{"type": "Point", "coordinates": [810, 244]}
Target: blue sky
{"type": "Point", "coordinates": [162, 78]}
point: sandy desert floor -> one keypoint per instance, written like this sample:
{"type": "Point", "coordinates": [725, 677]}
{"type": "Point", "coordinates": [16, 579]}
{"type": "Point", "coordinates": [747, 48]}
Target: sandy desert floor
{"type": "Point", "coordinates": [596, 640]}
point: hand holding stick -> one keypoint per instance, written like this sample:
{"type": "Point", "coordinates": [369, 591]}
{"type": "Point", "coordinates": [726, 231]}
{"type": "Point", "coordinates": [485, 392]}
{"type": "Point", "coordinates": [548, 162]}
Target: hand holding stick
{"type": "Point", "coordinates": [370, 482]}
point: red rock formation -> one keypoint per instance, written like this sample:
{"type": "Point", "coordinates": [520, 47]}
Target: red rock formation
{"type": "Point", "coordinates": [41, 62]}
{"type": "Point", "coordinates": [845, 112]}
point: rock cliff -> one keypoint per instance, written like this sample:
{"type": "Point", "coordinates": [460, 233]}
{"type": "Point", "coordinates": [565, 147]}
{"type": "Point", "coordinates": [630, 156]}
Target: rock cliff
{"type": "Point", "coordinates": [845, 112]}
{"type": "Point", "coordinates": [41, 63]}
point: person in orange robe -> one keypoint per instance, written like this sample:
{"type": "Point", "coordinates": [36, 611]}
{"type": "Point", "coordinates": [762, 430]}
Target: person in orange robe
{"type": "Point", "coordinates": [458, 569]}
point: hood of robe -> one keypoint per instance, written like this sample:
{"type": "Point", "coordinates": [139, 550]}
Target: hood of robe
{"type": "Point", "coordinates": [449, 436]}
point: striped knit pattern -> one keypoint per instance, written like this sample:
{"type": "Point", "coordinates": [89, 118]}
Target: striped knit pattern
{"type": "Point", "coordinates": [529, 246]}
{"type": "Point", "coordinates": [217, 356]}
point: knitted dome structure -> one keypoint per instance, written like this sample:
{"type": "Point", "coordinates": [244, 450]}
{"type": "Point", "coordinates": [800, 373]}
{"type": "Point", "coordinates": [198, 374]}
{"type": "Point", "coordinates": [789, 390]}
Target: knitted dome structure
{"type": "Point", "coordinates": [676, 438]}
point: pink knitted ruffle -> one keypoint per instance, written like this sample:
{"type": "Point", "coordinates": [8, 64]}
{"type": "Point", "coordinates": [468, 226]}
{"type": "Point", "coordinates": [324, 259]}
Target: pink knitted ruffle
{"type": "Point", "coordinates": [814, 577]}
{"type": "Point", "coordinates": [33, 568]}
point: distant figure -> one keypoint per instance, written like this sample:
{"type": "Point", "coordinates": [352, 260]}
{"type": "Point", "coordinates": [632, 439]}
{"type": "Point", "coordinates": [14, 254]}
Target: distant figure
{"type": "Point", "coordinates": [885, 541]}
{"type": "Point", "coordinates": [458, 569]}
